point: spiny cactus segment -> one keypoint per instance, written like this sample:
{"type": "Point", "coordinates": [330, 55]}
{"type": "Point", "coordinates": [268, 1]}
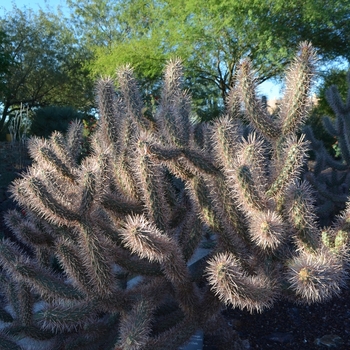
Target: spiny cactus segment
{"type": "Point", "coordinates": [141, 243]}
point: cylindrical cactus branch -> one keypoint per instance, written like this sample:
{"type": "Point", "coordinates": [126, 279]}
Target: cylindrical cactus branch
{"type": "Point", "coordinates": [331, 177]}
{"type": "Point", "coordinates": [255, 113]}
{"type": "Point", "coordinates": [296, 100]}
{"type": "Point", "coordinates": [340, 108]}
{"type": "Point", "coordinates": [113, 238]}
{"type": "Point", "coordinates": [340, 128]}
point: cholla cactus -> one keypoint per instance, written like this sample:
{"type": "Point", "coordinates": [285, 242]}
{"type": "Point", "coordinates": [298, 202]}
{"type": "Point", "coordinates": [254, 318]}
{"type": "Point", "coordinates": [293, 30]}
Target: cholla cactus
{"type": "Point", "coordinates": [110, 240]}
{"type": "Point", "coordinates": [331, 177]}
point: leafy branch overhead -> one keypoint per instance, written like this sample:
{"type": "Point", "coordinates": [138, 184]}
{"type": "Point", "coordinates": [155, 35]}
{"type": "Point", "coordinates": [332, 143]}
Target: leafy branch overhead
{"type": "Point", "coordinates": [115, 241]}
{"type": "Point", "coordinates": [210, 40]}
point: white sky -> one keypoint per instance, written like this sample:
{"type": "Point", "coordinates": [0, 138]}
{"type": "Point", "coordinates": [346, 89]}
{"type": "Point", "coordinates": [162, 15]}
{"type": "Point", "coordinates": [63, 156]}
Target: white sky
{"type": "Point", "coordinates": [270, 89]}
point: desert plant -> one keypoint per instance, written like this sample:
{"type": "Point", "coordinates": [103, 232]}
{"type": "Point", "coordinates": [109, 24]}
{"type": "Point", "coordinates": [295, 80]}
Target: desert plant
{"type": "Point", "coordinates": [19, 125]}
{"type": "Point", "coordinates": [331, 177]}
{"type": "Point", "coordinates": [112, 239]}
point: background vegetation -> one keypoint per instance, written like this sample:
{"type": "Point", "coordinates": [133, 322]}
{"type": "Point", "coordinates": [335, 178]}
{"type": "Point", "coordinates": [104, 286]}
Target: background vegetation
{"type": "Point", "coordinates": [54, 59]}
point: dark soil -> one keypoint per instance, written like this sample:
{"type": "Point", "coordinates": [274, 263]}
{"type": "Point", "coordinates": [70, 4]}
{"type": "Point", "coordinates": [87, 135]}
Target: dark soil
{"type": "Point", "coordinates": [290, 326]}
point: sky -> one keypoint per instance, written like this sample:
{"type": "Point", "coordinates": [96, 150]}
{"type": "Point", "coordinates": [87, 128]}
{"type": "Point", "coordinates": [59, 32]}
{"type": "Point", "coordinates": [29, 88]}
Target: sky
{"type": "Point", "coordinates": [268, 88]}
{"type": "Point", "coordinates": [33, 4]}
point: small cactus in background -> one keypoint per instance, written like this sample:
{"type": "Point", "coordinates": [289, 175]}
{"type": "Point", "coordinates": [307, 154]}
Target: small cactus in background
{"type": "Point", "coordinates": [330, 177]}
{"type": "Point", "coordinates": [111, 239]}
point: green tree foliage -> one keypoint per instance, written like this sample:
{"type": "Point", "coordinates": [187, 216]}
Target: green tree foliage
{"type": "Point", "coordinates": [210, 36]}
{"type": "Point", "coordinates": [46, 64]}
{"type": "Point", "coordinates": [5, 58]}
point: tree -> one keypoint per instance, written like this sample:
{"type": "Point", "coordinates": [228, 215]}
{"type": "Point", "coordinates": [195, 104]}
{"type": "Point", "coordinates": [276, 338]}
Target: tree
{"type": "Point", "coordinates": [46, 64]}
{"type": "Point", "coordinates": [5, 57]}
{"type": "Point", "coordinates": [211, 36]}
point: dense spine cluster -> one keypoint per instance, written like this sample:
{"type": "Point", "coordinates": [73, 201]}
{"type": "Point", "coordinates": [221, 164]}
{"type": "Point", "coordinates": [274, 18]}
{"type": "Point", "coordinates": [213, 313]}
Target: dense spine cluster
{"type": "Point", "coordinates": [111, 240]}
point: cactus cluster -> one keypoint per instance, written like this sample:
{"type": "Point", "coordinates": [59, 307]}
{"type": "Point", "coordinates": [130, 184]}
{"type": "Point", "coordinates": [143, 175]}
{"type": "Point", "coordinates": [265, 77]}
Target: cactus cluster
{"type": "Point", "coordinates": [330, 177]}
{"type": "Point", "coordinates": [105, 249]}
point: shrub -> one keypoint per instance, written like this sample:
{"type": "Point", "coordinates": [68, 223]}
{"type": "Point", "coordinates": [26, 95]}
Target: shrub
{"type": "Point", "coordinates": [46, 120]}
